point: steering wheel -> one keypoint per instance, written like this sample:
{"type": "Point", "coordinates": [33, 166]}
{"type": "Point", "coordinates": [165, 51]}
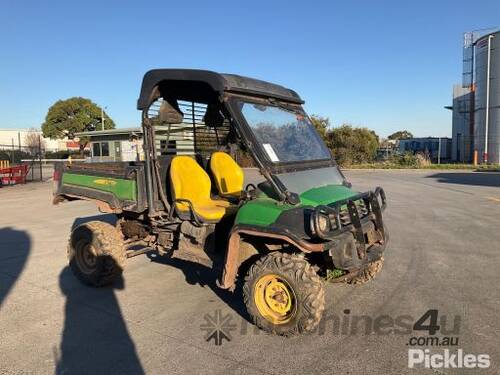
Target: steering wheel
{"type": "Point", "coordinates": [250, 192]}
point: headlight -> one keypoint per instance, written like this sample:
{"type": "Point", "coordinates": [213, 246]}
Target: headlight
{"type": "Point", "coordinates": [320, 224]}
{"type": "Point", "coordinates": [323, 223]}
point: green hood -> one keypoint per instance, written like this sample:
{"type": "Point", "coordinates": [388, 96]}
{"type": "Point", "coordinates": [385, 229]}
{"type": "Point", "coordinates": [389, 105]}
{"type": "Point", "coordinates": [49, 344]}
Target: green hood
{"type": "Point", "coordinates": [264, 210]}
{"type": "Point", "coordinates": [325, 194]}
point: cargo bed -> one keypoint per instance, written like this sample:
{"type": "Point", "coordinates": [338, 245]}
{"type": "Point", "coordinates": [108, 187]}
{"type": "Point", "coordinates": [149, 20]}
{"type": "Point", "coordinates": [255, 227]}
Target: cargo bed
{"type": "Point", "coordinates": [115, 186]}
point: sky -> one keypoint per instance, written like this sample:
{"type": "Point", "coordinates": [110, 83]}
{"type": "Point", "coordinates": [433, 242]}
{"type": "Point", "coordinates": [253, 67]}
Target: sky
{"type": "Point", "coordinates": [386, 65]}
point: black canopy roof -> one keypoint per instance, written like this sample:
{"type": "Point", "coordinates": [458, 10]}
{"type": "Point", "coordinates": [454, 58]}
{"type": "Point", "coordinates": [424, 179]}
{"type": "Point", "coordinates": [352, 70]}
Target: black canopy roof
{"type": "Point", "coordinates": [217, 81]}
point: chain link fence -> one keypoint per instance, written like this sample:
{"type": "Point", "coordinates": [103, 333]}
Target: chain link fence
{"type": "Point", "coordinates": [21, 164]}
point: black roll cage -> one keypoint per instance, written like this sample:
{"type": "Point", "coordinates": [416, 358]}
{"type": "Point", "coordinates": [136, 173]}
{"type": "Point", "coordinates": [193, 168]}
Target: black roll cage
{"type": "Point", "coordinates": [226, 90]}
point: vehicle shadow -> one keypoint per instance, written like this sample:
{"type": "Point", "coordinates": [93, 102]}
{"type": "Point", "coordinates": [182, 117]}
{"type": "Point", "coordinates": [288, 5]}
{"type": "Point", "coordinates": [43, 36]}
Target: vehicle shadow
{"type": "Point", "coordinates": [201, 275]}
{"type": "Point", "coordinates": [15, 246]}
{"type": "Point", "coordinates": [475, 178]}
{"type": "Point", "coordinates": [95, 338]}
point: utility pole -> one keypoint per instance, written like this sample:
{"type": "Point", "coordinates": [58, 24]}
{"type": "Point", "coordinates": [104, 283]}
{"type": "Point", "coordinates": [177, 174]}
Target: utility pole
{"type": "Point", "coordinates": [487, 119]}
{"type": "Point", "coordinates": [102, 118]}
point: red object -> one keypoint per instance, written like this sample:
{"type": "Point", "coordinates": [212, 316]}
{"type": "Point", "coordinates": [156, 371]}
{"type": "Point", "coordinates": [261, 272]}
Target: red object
{"type": "Point", "coordinates": [14, 175]}
{"type": "Point", "coordinates": [73, 145]}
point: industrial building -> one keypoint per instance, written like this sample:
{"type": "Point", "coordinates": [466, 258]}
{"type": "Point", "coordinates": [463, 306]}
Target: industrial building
{"type": "Point", "coordinates": [437, 149]}
{"type": "Point", "coordinates": [476, 102]}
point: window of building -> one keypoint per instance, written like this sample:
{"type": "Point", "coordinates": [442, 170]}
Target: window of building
{"type": "Point", "coordinates": [96, 149]}
{"type": "Point", "coordinates": [104, 149]}
{"type": "Point", "coordinates": [100, 149]}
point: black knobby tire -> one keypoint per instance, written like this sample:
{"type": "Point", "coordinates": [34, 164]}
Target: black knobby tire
{"type": "Point", "coordinates": [96, 253]}
{"type": "Point", "coordinates": [307, 288]}
{"type": "Point", "coordinates": [368, 273]}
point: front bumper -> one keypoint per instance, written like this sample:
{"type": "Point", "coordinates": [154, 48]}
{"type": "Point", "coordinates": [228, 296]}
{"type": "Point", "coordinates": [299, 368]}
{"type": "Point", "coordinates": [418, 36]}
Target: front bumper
{"type": "Point", "coordinates": [359, 235]}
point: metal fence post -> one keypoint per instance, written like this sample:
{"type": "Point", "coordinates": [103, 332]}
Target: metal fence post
{"type": "Point", "coordinates": [40, 155]}
{"type": "Point", "coordinates": [439, 150]}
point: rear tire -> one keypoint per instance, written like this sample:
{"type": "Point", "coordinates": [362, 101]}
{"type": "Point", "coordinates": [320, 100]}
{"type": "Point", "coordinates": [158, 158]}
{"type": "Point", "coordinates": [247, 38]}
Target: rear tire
{"type": "Point", "coordinates": [290, 284]}
{"type": "Point", "coordinates": [96, 253]}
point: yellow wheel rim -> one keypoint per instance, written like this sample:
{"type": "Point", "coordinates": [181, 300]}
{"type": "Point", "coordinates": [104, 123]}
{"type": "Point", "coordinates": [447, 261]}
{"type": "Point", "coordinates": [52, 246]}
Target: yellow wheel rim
{"type": "Point", "coordinates": [274, 299]}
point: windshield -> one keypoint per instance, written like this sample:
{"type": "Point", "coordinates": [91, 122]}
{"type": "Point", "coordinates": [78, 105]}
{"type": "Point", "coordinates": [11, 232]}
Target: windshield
{"type": "Point", "coordinates": [302, 181]}
{"type": "Point", "coordinates": [285, 136]}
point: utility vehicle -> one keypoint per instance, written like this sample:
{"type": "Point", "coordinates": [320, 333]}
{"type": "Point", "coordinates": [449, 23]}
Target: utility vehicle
{"type": "Point", "coordinates": [277, 238]}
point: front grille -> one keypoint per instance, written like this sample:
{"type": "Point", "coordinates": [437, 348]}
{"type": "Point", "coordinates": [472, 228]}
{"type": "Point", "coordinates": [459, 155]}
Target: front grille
{"type": "Point", "coordinates": [344, 217]}
{"type": "Point", "coordinates": [363, 210]}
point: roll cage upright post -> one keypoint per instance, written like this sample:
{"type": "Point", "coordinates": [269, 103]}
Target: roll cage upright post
{"type": "Point", "coordinates": [152, 173]}
{"type": "Point", "coordinates": [146, 128]}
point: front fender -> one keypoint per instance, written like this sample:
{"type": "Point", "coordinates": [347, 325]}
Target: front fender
{"type": "Point", "coordinates": [233, 259]}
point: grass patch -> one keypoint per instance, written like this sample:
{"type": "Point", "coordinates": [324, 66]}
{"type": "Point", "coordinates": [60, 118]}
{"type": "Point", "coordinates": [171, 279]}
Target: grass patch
{"type": "Point", "coordinates": [389, 165]}
{"type": "Point", "coordinates": [407, 160]}
{"type": "Point", "coordinates": [334, 274]}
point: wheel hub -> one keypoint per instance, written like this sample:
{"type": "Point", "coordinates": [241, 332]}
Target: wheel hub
{"type": "Point", "coordinates": [85, 256]}
{"type": "Point", "coordinates": [274, 299]}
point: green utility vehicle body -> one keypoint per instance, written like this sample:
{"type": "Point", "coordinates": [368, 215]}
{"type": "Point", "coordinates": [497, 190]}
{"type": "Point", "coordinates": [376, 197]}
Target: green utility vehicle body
{"type": "Point", "coordinates": [123, 192]}
{"type": "Point", "coordinates": [118, 185]}
{"type": "Point", "coordinates": [264, 210]}
{"type": "Point", "coordinates": [300, 219]}
{"type": "Point", "coordinates": [121, 189]}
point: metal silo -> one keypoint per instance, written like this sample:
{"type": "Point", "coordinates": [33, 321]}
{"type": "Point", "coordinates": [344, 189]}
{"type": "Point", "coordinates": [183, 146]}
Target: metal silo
{"type": "Point", "coordinates": [487, 98]}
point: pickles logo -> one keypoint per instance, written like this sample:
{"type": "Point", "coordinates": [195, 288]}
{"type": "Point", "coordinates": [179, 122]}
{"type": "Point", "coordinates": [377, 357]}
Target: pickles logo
{"type": "Point", "coordinates": [447, 359]}
{"type": "Point", "coordinates": [105, 182]}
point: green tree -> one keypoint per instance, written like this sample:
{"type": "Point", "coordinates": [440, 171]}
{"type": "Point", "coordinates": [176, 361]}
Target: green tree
{"type": "Point", "coordinates": [353, 145]}
{"type": "Point", "coordinates": [322, 125]}
{"type": "Point", "coordinates": [402, 134]}
{"type": "Point", "coordinates": [73, 115]}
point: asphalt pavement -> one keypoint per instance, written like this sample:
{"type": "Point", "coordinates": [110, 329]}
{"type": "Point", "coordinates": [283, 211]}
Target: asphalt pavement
{"type": "Point", "coordinates": [443, 255]}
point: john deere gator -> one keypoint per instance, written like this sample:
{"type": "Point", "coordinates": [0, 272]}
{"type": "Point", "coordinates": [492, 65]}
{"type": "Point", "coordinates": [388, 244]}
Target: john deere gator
{"type": "Point", "coordinates": [272, 234]}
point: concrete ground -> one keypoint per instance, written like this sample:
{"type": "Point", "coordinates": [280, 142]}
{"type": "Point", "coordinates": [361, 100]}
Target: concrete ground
{"type": "Point", "coordinates": [443, 254]}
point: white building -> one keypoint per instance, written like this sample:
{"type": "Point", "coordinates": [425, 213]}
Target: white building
{"type": "Point", "coordinates": [122, 144]}
{"type": "Point", "coordinates": [17, 138]}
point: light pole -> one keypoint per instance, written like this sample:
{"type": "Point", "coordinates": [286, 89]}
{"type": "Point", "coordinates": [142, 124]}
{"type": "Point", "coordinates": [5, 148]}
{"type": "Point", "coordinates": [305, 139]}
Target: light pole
{"type": "Point", "coordinates": [487, 119]}
{"type": "Point", "coordinates": [102, 117]}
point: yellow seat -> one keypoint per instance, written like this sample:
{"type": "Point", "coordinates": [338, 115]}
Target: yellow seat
{"type": "Point", "coordinates": [227, 174]}
{"type": "Point", "coordinates": [191, 182]}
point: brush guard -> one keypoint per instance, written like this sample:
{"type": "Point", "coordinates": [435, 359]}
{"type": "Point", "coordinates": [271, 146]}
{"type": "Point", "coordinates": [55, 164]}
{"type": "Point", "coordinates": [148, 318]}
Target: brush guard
{"type": "Point", "coordinates": [357, 234]}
